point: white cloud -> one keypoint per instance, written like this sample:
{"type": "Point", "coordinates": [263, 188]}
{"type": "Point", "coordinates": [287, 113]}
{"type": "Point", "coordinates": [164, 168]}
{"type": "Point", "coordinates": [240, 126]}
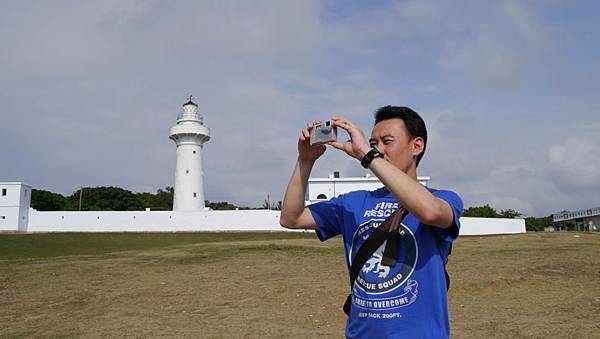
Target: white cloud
{"type": "Point", "coordinates": [575, 162]}
{"type": "Point", "coordinates": [498, 45]}
{"type": "Point", "coordinates": [95, 86]}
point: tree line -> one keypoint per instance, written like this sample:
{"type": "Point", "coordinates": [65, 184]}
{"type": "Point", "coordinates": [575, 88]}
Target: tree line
{"type": "Point", "coordinates": [118, 199]}
{"type": "Point", "coordinates": [108, 198]}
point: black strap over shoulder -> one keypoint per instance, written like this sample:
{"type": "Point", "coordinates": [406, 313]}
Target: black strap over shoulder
{"type": "Point", "coordinates": [366, 251]}
{"type": "Point", "coordinates": [373, 242]}
{"type": "Point", "coordinates": [445, 271]}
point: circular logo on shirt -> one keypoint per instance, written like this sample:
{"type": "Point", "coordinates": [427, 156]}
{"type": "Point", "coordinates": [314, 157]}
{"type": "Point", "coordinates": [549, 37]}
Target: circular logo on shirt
{"type": "Point", "coordinates": [374, 277]}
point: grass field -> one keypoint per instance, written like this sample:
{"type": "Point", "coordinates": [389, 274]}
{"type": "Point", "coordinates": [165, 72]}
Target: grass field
{"type": "Point", "coordinates": [223, 285]}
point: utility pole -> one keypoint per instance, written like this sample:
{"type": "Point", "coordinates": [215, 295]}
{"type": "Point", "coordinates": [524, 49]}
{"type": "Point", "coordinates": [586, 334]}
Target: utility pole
{"type": "Point", "coordinates": [80, 194]}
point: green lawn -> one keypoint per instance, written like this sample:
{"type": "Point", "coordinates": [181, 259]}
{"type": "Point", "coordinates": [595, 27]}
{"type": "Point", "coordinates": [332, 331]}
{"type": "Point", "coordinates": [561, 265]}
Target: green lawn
{"type": "Point", "coordinates": [47, 245]}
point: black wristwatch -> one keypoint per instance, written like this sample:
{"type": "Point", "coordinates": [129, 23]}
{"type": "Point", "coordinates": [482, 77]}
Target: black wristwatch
{"type": "Point", "coordinates": [372, 154]}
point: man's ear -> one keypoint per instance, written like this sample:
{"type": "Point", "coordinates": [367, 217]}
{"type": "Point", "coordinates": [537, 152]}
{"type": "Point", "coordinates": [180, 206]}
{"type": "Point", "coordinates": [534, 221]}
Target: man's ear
{"type": "Point", "coordinates": [418, 146]}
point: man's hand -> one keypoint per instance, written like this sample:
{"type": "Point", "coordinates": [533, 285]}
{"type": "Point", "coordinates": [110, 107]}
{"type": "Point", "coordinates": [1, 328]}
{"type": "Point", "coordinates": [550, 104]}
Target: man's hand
{"type": "Point", "coordinates": [306, 152]}
{"type": "Point", "coordinates": [294, 214]}
{"type": "Point", "coordinates": [357, 146]}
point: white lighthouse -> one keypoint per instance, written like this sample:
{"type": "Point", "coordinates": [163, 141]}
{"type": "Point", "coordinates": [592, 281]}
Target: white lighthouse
{"type": "Point", "coordinates": [189, 134]}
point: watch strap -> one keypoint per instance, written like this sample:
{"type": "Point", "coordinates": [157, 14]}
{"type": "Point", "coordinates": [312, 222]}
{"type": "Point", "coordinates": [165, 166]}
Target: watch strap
{"type": "Point", "coordinates": [372, 154]}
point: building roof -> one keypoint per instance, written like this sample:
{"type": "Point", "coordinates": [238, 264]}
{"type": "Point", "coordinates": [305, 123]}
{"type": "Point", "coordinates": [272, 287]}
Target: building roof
{"type": "Point", "coordinates": [13, 183]}
{"type": "Point", "coordinates": [366, 178]}
{"type": "Point", "coordinates": [570, 215]}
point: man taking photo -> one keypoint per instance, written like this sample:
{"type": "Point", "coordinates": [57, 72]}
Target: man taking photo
{"type": "Point", "coordinates": [407, 297]}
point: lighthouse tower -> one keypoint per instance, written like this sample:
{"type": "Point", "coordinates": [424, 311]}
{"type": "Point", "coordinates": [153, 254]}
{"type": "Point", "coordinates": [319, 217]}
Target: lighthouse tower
{"type": "Point", "coordinates": [189, 135]}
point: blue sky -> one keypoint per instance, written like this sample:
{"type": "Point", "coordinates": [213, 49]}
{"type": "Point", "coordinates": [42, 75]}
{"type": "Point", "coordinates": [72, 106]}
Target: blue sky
{"type": "Point", "coordinates": [89, 90]}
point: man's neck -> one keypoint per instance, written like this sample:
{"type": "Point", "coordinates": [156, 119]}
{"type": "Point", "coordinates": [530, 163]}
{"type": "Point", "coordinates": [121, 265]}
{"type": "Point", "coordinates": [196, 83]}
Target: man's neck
{"type": "Point", "coordinates": [412, 172]}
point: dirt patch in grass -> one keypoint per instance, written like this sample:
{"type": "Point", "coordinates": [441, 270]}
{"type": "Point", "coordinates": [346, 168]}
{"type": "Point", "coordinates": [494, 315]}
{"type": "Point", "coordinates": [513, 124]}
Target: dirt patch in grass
{"type": "Point", "coordinates": [534, 285]}
{"type": "Point", "coordinates": [537, 285]}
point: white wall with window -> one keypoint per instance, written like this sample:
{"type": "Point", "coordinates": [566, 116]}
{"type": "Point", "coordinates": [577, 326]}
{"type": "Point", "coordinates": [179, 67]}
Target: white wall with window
{"type": "Point", "coordinates": [320, 189]}
{"type": "Point", "coordinates": [15, 198]}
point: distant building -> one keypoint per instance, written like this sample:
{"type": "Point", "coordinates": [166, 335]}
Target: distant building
{"type": "Point", "coordinates": [15, 198]}
{"type": "Point", "coordinates": [320, 189]}
{"type": "Point", "coordinates": [583, 220]}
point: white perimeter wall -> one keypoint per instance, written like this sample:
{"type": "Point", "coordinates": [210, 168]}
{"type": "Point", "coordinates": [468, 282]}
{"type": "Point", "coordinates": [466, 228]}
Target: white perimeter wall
{"type": "Point", "coordinates": [154, 221]}
{"type": "Point", "coordinates": [242, 220]}
{"type": "Point", "coordinates": [488, 226]}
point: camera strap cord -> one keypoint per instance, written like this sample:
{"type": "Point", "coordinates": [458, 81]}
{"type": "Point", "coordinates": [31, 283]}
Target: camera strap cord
{"type": "Point", "coordinates": [388, 230]}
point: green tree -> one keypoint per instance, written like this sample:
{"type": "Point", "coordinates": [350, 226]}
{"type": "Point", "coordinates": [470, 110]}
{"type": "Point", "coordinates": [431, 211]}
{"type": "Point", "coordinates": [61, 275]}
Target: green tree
{"type": "Point", "coordinates": [538, 224]}
{"type": "Point", "coordinates": [510, 213]}
{"type": "Point", "coordinates": [104, 199]}
{"type": "Point", "coordinates": [47, 201]}
{"type": "Point", "coordinates": [147, 200]}
{"type": "Point", "coordinates": [162, 200]}
{"type": "Point", "coordinates": [485, 211]}
{"type": "Point", "coordinates": [221, 205]}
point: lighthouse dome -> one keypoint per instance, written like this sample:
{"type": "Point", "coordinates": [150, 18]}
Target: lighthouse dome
{"type": "Point", "coordinates": [190, 107]}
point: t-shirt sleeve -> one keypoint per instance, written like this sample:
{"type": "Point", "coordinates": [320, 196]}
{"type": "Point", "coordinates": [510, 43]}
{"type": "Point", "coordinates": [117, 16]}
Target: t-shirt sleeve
{"type": "Point", "coordinates": [451, 233]}
{"type": "Point", "coordinates": [328, 217]}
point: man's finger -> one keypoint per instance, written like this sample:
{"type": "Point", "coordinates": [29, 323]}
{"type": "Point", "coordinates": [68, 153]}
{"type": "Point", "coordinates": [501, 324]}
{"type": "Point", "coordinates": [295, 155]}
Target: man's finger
{"type": "Point", "coordinates": [306, 133]}
{"type": "Point", "coordinates": [339, 118]}
{"type": "Point", "coordinates": [342, 124]}
{"type": "Point", "coordinates": [302, 136]}
{"type": "Point", "coordinates": [336, 144]}
{"type": "Point", "coordinates": [342, 120]}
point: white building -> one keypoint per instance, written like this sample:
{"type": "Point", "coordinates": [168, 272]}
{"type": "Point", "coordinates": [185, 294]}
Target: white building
{"type": "Point", "coordinates": [15, 198]}
{"type": "Point", "coordinates": [189, 135]}
{"type": "Point", "coordinates": [320, 189]}
{"type": "Point", "coordinates": [583, 220]}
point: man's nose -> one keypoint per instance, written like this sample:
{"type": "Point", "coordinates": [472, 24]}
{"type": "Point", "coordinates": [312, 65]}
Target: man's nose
{"type": "Point", "coordinates": [381, 148]}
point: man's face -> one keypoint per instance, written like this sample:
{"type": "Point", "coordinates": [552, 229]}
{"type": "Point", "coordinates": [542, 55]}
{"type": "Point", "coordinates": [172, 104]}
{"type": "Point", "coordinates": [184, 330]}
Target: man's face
{"type": "Point", "coordinates": [392, 139]}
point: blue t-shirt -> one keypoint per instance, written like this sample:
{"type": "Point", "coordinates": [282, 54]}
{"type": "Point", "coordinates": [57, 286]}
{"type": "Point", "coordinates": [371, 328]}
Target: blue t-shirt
{"type": "Point", "coordinates": [407, 300]}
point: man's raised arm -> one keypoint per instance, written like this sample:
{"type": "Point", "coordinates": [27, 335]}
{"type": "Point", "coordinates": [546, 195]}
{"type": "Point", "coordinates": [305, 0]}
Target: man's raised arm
{"type": "Point", "coordinates": [293, 213]}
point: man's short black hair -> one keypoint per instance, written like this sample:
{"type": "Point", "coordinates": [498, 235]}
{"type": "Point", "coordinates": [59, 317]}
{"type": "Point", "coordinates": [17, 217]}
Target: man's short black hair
{"type": "Point", "coordinates": [415, 125]}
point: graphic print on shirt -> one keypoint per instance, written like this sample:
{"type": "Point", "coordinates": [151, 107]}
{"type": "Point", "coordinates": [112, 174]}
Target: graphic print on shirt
{"type": "Point", "coordinates": [379, 287]}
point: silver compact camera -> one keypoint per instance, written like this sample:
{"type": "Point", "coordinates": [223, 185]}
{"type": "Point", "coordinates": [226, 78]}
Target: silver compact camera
{"type": "Point", "coordinates": [323, 133]}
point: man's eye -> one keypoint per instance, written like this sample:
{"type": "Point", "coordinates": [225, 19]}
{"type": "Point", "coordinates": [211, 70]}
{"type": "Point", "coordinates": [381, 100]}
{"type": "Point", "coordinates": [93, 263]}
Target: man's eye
{"type": "Point", "coordinates": [385, 142]}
